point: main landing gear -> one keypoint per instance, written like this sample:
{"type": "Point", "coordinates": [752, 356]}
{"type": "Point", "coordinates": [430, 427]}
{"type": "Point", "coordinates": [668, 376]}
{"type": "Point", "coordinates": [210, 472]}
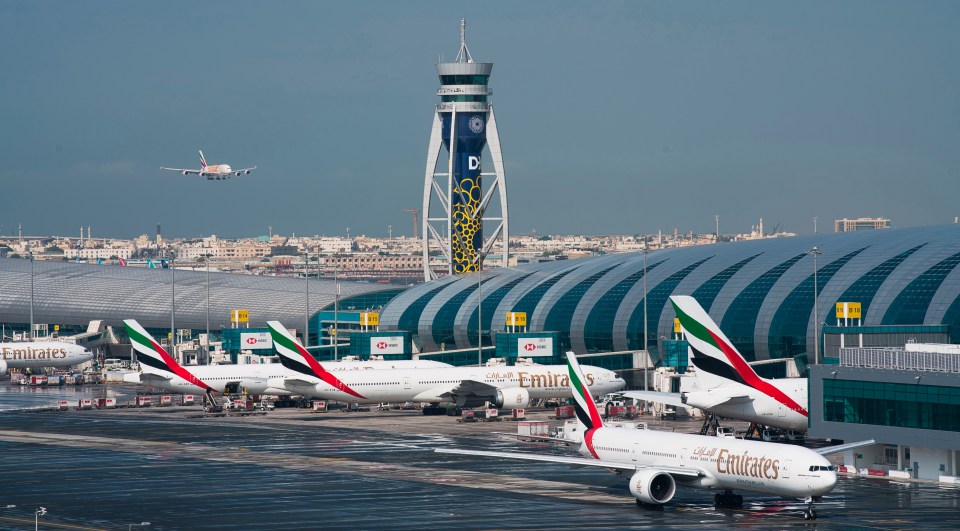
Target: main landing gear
{"type": "Point", "coordinates": [809, 513]}
{"type": "Point", "coordinates": [728, 499]}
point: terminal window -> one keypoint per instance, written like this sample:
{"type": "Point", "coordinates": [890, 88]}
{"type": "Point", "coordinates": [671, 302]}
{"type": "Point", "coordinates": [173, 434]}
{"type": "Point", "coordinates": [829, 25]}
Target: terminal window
{"type": "Point", "coordinates": [928, 407]}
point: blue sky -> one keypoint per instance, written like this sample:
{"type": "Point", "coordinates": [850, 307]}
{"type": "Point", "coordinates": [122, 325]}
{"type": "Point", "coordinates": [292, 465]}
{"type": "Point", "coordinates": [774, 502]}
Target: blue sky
{"type": "Point", "coordinates": [614, 117]}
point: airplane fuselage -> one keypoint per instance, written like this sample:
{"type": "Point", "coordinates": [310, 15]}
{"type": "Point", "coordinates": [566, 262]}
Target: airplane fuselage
{"type": "Point", "coordinates": [721, 462]}
{"type": "Point", "coordinates": [36, 354]}
{"type": "Point", "coordinates": [255, 377]}
{"type": "Point", "coordinates": [434, 385]}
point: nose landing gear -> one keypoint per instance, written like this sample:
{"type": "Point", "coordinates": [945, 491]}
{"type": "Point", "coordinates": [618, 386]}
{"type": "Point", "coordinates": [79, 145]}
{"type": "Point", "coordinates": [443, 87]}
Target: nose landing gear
{"type": "Point", "coordinates": [809, 513]}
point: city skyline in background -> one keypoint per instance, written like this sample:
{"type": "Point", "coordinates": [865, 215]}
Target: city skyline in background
{"type": "Point", "coordinates": [635, 117]}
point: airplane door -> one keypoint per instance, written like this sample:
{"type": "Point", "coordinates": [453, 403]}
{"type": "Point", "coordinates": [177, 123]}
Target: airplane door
{"type": "Point", "coordinates": [634, 454]}
{"type": "Point", "coordinates": [781, 411]}
{"type": "Point", "coordinates": [683, 457]}
{"type": "Point", "coordinates": [406, 382]}
{"type": "Point", "coordinates": [785, 470]}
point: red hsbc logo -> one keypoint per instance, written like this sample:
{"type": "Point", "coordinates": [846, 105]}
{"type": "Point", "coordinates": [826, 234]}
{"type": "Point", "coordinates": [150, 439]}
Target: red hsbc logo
{"type": "Point", "coordinates": [251, 341]}
{"type": "Point", "coordinates": [382, 345]}
{"type": "Point", "coordinates": [529, 347]}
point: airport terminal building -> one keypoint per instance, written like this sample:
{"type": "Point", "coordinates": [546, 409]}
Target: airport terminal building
{"type": "Point", "coordinates": [760, 292]}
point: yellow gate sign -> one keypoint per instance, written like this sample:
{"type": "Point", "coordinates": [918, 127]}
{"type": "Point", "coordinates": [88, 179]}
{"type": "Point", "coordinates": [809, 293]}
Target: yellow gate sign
{"type": "Point", "coordinates": [516, 318]}
{"type": "Point", "coordinates": [676, 325]}
{"type": "Point", "coordinates": [848, 310]}
{"type": "Point", "coordinates": [239, 316]}
{"type": "Point", "coordinates": [369, 319]}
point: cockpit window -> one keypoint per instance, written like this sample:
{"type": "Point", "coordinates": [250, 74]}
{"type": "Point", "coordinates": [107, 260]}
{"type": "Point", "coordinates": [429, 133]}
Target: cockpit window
{"type": "Point", "coordinates": [816, 468]}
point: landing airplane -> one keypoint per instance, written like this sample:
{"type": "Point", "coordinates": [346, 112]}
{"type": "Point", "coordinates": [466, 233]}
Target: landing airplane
{"type": "Point", "coordinates": [506, 387]}
{"type": "Point", "coordinates": [216, 172]}
{"type": "Point", "coordinates": [656, 460]}
{"type": "Point", "coordinates": [729, 387]}
{"type": "Point", "coordinates": [159, 369]}
{"type": "Point", "coordinates": [37, 354]}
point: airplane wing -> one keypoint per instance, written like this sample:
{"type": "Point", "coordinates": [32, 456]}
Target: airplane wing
{"type": "Point", "coordinates": [830, 450]}
{"type": "Point", "coordinates": [465, 392]}
{"type": "Point", "coordinates": [243, 171]}
{"type": "Point", "coordinates": [149, 378]}
{"type": "Point", "coordinates": [571, 460]}
{"type": "Point", "coordinates": [670, 399]}
{"type": "Point", "coordinates": [183, 171]}
{"type": "Point", "coordinates": [729, 400]}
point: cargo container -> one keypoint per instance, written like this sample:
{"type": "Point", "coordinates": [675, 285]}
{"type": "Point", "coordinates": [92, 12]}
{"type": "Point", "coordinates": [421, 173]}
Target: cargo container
{"type": "Point", "coordinates": [38, 379]}
{"type": "Point", "coordinates": [533, 427]}
{"type": "Point", "coordinates": [187, 400]}
{"type": "Point", "coordinates": [85, 403]}
{"type": "Point", "coordinates": [491, 414]}
{"type": "Point", "coordinates": [144, 401]}
{"type": "Point", "coordinates": [165, 400]}
{"type": "Point", "coordinates": [105, 403]}
{"type": "Point", "coordinates": [468, 416]}
{"type": "Point", "coordinates": [519, 414]}
{"type": "Point", "coordinates": [54, 379]}
{"type": "Point", "coordinates": [565, 412]}
{"type": "Point", "coordinates": [73, 379]}
{"type": "Point", "coordinates": [63, 405]}
{"type": "Point", "coordinates": [15, 377]}
{"type": "Point", "coordinates": [319, 406]}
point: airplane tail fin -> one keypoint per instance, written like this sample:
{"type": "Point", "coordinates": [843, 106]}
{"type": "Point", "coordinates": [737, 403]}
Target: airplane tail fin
{"type": "Point", "coordinates": [718, 362]}
{"type": "Point", "coordinates": [203, 161]}
{"type": "Point", "coordinates": [588, 416]}
{"type": "Point", "coordinates": [150, 263]}
{"type": "Point", "coordinates": [296, 358]}
{"type": "Point", "coordinates": [152, 357]}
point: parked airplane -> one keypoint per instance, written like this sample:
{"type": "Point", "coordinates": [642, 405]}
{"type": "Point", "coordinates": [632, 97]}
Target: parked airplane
{"type": "Point", "coordinates": [37, 354]}
{"type": "Point", "coordinates": [510, 387]}
{"type": "Point", "coordinates": [657, 460]}
{"type": "Point", "coordinates": [159, 369]}
{"type": "Point", "coordinates": [729, 386]}
{"type": "Point", "coordinates": [216, 172]}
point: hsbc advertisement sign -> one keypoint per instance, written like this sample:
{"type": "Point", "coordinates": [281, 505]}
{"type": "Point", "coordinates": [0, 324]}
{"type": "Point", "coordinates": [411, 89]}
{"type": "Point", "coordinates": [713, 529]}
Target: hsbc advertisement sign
{"type": "Point", "coordinates": [534, 346]}
{"type": "Point", "coordinates": [386, 345]}
{"type": "Point", "coordinates": [255, 341]}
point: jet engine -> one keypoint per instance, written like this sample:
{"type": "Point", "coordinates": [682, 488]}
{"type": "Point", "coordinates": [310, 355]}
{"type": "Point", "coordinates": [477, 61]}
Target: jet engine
{"type": "Point", "coordinates": [652, 486]}
{"type": "Point", "coordinates": [246, 172]}
{"type": "Point", "coordinates": [3, 366]}
{"type": "Point", "coordinates": [513, 398]}
{"type": "Point", "coordinates": [184, 172]}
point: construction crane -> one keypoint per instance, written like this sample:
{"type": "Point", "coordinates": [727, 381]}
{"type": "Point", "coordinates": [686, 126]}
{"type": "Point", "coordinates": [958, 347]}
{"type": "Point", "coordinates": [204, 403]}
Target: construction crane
{"type": "Point", "coordinates": [416, 214]}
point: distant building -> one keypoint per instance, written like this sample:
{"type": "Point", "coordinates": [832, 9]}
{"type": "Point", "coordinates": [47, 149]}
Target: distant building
{"type": "Point", "coordinates": [848, 225]}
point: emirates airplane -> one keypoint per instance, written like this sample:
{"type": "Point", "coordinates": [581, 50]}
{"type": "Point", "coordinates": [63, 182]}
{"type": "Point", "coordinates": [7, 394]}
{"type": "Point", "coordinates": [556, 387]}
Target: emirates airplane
{"type": "Point", "coordinates": [37, 354]}
{"type": "Point", "coordinates": [656, 461]}
{"type": "Point", "coordinates": [159, 369]}
{"type": "Point", "coordinates": [506, 387]}
{"type": "Point", "coordinates": [729, 386]}
{"type": "Point", "coordinates": [217, 172]}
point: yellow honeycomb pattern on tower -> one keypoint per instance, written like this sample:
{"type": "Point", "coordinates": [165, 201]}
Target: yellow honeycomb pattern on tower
{"type": "Point", "coordinates": [466, 225]}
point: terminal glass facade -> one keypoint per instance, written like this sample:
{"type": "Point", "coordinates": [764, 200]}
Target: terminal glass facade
{"type": "Point", "coordinates": [927, 407]}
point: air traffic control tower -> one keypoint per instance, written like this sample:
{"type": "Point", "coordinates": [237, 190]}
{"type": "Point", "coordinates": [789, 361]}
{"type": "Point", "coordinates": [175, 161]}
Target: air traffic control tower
{"type": "Point", "coordinates": [455, 202]}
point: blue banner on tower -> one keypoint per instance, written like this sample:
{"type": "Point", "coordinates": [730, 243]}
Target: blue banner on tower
{"type": "Point", "coordinates": [467, 232]}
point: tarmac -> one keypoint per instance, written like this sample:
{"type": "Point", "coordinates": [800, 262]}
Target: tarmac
{"type": "Point", "coordinates": [293, 469]}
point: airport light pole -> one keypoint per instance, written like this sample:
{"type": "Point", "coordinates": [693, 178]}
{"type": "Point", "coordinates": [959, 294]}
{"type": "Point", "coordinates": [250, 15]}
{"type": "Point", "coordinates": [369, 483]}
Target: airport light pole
{"type": "Point", "coordinates": [306, 309]}
{"type": "Point", "coordinates": [646, 352]}
{"type": "Point", "coordinates": [173, 308]}
{"type": "Point", "coordinates": [206, 262]}
{"type": "Point", "coordinates": [31, 296]}
{"type": "Point", "coordinates": [41, 511]}
{"type": "Point", "coordinates": [816, 311]}
{"type": "Point", "coordinates": [479, 319]}
{"type": "Point", "coordinates": [336, 313]}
